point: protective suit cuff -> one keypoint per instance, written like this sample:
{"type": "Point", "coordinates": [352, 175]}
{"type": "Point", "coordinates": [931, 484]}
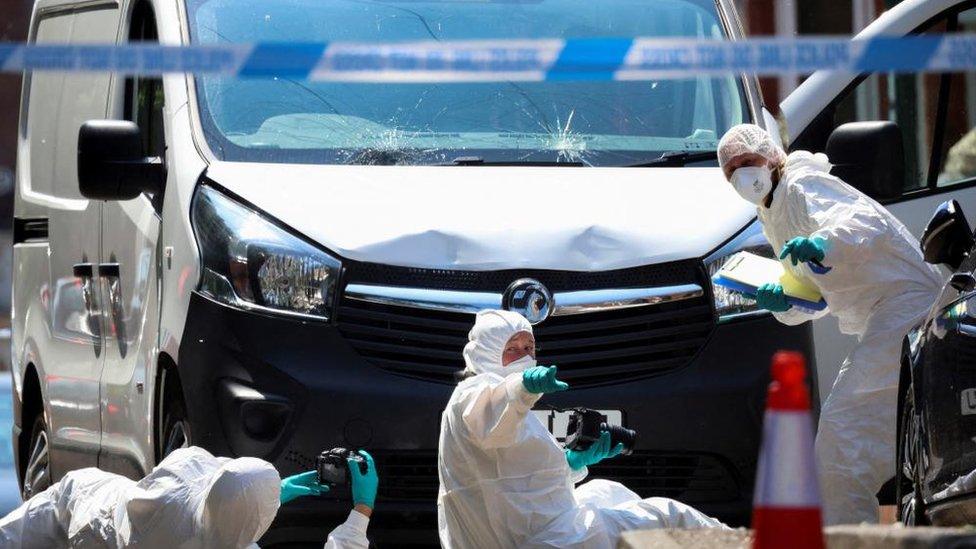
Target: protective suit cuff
{"type": "Point", "coordinates": [579, 475]}
{"type": "Point", "coordinates": [357, 521]}
{"type": "Point", "coordinates": [516, 392]}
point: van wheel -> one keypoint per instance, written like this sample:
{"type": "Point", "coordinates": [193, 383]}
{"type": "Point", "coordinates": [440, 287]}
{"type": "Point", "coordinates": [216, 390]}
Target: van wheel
{"type": "Point", "coordinates": [175, 432]}
{"type": "Point", "coordinates": [37, 474]}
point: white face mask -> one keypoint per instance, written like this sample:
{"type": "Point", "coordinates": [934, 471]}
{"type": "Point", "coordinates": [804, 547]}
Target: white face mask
{"type": "Point", "coordinates": [753, 183]}
{"type": "Point", "coordinates": [521, 364]}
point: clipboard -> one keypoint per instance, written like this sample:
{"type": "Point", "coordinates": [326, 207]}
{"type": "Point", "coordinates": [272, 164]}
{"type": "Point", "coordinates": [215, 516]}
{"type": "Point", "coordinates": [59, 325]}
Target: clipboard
{"type": "Point", "coordinates": [744, 272]}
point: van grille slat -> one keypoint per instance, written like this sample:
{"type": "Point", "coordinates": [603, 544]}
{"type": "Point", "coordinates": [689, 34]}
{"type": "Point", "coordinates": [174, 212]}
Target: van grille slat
{"type": "Point", "coordinates": [401, 316]}
{"type": "Point", "coordinates": [690, 309]}
{"type": "Point", "coordinates": [571, 358]}
{"type": "Point", "coordinates": [362, 331]}
{"type": "Point", "coordinates": [422, 352]}
{"type": "Point", "coordinates": [550, 344]}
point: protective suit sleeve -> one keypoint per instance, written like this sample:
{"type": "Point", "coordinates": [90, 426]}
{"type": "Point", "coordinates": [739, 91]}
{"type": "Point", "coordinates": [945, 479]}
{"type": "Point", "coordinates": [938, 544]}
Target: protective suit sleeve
{"type": "Point", "coordinates": [493, 414]}
{"type": "Point", "coordinates": [350, 534]}
{"type": "Point", "coordinates": [35, 524]}
{"type": "Point", "coordinates": [849, 224]}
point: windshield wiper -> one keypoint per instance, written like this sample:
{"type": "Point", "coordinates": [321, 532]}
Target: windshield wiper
{"type": "Point", "coordinates": [676, 158]}
{"type": "Point", "coordinates": [479, 161]}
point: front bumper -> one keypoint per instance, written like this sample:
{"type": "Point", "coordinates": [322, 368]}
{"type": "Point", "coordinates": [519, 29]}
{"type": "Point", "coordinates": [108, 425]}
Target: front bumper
{"type": "Point", "coordinates": [285, 390]}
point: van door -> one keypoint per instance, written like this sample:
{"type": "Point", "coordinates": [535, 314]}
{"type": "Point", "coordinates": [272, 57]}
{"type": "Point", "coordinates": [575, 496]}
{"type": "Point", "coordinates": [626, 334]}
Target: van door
{"type": "Point", "coordinates": [70, 358]}
{"type": "Point", "coordinates": [937, 117]}
{"type": "Point", "coordinates": [128, 269]}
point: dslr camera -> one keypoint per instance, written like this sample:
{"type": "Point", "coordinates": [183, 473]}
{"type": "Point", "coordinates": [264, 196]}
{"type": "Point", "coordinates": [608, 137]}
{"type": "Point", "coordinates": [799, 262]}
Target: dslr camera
{"type": "Point", "coordinates": [585, 427]}
{"type": "Point", "coordinates": [333, 469]}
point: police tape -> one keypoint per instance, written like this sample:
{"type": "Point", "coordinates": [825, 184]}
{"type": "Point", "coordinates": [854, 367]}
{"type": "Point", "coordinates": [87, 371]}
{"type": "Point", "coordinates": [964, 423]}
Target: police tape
{"type": "Point", "coordinates": [508, 60]}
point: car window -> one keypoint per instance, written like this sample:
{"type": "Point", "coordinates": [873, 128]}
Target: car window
{"type": "Point", "coordinates": [144, 98]}
{"type": "Point", "coordinates": [956, 141]}
{"type": "Point", "coordinates": [910, 100]}
{"type": "Point", "coordinates": [935, 113]}
{"type": "Point", "coordinates": [60, 102]}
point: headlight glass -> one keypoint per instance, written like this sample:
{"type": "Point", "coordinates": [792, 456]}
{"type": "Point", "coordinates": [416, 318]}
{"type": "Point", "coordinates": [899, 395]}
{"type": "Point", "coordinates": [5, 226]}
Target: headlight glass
{"type": "Point", "coordinates": [729, 304]}
{"type": "Point", "coordinates": [251, 263]}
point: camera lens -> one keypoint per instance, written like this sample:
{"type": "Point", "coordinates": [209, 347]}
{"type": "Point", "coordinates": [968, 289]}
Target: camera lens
{"type": "Point", "coordinates": [621, 435]}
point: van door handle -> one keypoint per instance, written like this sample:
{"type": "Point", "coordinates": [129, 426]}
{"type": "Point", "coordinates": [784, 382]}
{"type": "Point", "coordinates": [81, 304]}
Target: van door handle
{"type": "Point", "coordinates": [83, 270]}
{"type": "Point", "coordinates": [108, 270]}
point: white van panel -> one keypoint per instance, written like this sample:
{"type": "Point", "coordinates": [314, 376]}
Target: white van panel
{"type": "Point", "coordinates": [69, 352]}
{"type": "Point", "coordinates": [84, 96]}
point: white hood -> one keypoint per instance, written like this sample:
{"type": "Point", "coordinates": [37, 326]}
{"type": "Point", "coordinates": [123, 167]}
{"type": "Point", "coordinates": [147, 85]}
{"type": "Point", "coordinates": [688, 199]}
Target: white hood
{"type": "Point", "coordinates": [487, 217]}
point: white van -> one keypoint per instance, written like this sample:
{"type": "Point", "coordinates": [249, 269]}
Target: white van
{"type": "Point", "coordinates": [275, 267]}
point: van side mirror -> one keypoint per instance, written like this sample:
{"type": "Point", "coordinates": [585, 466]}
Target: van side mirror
{"type": "Point", "coordinates": [947, 237]}
{"type": "Point", "coordinates": [963, 282]}
{"type": "Point", "coordinates": [870, 157]}
{"type": "Point", "coordinates": [111, 165]}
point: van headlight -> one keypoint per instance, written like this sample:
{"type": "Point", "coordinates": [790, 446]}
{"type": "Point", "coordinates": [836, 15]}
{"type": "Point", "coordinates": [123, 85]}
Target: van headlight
{"type": "Point", "coordinates": [251, 263]}
{"type": "Point", "coordinates": [729, 304]}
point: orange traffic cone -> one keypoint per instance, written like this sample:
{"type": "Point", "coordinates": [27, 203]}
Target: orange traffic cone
{"type": "Point", "coordinates": [786, 503]}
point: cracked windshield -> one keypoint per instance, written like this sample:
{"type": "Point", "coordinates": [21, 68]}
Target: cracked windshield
{"type": "Point", "coordinates": [592, 123]}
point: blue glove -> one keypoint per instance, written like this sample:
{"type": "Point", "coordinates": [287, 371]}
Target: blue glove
{"type": "Point", "coordinates": [801, 250]}
{"type": "Point", "coordinates": [772, 298]}
{"type": "Point", "coordinates": [364, 485]}
{"type": "Point", "coordinates": [303, 484]}
{"type": "Point", "coordinates": [597, 452]}
{"type": "Point", "coordinates": [542, 379]}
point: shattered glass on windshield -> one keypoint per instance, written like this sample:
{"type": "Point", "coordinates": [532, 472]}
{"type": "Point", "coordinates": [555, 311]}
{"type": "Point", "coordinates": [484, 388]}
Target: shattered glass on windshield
{"type": "Point", "coordinates": [594, 123]}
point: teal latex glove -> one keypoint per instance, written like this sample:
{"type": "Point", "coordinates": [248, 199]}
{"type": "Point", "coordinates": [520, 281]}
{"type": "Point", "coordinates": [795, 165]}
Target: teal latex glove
{"type": "Point", "coordinates": [364, 485]}
{"type": "Point", "coordinates": [300, 485]}
{"type": "Point", "coordinates": [772, 298]}
{"type": "Point", "coordinates": [801, 250]}
{"type": "Point", "coordinates": [542, 379]}
{"type": "Point", "coordinates": [597, 452]}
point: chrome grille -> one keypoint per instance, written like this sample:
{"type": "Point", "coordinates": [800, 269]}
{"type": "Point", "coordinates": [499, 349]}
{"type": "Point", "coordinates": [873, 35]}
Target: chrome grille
{"type": "Point", "coordinates": [589, 348]}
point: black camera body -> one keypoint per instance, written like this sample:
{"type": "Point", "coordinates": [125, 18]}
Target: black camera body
{"type": "Point", "coordinates": [333, 468]}
{"type": "Point", "coordinates": [585, 427]}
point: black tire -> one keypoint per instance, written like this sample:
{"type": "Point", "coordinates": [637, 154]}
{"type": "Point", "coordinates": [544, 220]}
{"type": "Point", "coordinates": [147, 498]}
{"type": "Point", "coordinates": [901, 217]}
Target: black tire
{"type": "Point", "coordinates": [37, 469]}
{"type": "Point", "coordinates": [911, 508]}
{"type": "Point", "coordinates": [175, 428]}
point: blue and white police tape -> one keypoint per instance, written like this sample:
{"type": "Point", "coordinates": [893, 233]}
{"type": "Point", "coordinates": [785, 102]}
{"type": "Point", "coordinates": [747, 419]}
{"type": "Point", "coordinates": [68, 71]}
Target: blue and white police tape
{"type": "Point", "coordinates": [514, 60]}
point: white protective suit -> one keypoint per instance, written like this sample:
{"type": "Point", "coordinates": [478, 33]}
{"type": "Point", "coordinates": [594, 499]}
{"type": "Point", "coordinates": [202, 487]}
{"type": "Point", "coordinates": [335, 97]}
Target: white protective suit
{"type": "Point", "coordinates": [879, 288]}
{"type": "Point", "coordinates": [504, 479]}
{"type": "Point", "coordinates": [190, 500]}
{"type": "Point", "coordinates": [350, 534]}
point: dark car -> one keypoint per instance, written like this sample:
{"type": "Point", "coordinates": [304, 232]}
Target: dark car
{"type": "Point", "coordinates": [936, 453]}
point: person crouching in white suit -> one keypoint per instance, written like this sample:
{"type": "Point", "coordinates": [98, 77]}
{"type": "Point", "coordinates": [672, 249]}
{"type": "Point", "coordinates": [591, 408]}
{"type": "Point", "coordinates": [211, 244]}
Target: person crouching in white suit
{"type": "Point", "coordinates": [504, 479]}
{"type": "Point", "coordinates": [191, 500]}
